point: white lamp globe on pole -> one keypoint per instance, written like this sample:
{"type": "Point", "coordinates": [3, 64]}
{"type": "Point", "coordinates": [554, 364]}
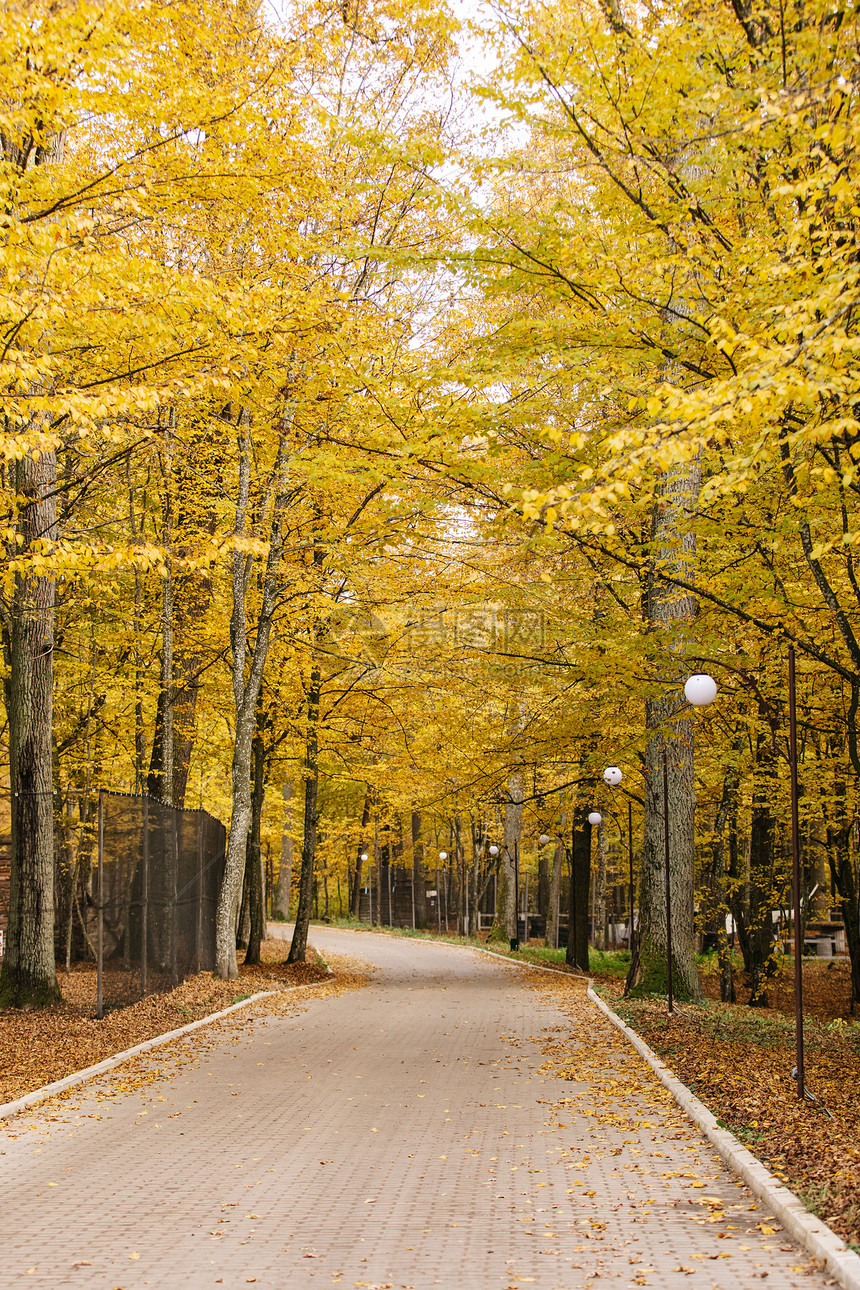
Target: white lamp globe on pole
{"type": "Point", "coordinates": [543, 839]}
{"type": "Point", "coordinates": [443, 855]}
{"type": "Point", "coordinates": [364, 855]}
{"type": "Point", "coordinates": [613, 776]}
{"type": "Point", "coordinates": [700, 690]}
{"type": "Point", "coordinates": [595, 817]}
{"type": "Point", "coordinates": [494, 851]}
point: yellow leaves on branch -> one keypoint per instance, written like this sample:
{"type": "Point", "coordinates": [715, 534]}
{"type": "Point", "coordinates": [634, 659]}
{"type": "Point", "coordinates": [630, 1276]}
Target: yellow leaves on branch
{"type": "Point", "coordinates": [701, 287]}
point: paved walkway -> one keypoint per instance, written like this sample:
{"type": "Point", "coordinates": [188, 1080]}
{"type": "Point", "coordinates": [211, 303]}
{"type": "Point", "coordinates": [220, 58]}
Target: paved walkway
{"type": "Point", "coordinates": [401, 1135]}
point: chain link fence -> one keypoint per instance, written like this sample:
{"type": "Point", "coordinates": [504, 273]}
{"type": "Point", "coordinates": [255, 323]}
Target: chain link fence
{"type": "Point", "coordinates": [158, 874]}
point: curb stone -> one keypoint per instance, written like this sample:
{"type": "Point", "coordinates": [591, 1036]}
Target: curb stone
{"type": "Point", "coordinates": [823, 1243]}
{"type": "Point", "coordinates": [8, 1109]}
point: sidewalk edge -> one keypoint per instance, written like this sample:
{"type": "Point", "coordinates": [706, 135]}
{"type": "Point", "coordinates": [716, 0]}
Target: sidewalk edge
{"type": "Point", "coordinates": [8, 1109]}
{"type": "Point", "coordinates": [823, 1243]}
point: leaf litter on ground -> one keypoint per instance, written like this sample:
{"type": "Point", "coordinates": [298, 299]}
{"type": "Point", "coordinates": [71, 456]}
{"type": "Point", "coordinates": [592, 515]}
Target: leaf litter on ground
{"type": "Point", "coordinates": [738, 1060]}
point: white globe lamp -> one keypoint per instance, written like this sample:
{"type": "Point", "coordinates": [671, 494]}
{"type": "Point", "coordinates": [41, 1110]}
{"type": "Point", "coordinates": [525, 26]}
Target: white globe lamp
{"type": "Point", "coordinates": [595, 817]}
{"type": "Point", "coordinates": [494, 851]}
{"type": "Point", "coordinates": [543, 839]}
{"type": "Point", "coordinates": [443, 855]}
{"type": "Point", "coordinates": [700, 690]}
{"type": "Point", "coordinates": [613, 776]}
{"type": "Point", "coordinates": [364, 855]}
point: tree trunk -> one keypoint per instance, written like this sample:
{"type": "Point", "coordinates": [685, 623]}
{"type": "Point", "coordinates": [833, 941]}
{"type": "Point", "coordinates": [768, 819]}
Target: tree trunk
{"type": "Point", "coordinates": [137, 631]}
{"type": "Point", "coordinates": [175, 721]}
{"type": "Point", "coordinates": [460, 865]}
{"type": "Point", "coordinates": [380, 860]}
{"type": "Point", "coordinates": [580, 884]}
{"type": "Point", "coordinates": [553, 909]}
{"type": "Point", "coordinates": [543, 882]}
{"type": "Point", "coordinates": [418, 871]}
{"type": "Point", "coordinates": [299, 943]}
{"type": "Point", "coordinates": [600, 889]}
{"type": "Point", "coordinates": [844, 880]}
{"type": "Point", "coordinates": [254, 857]}
{"type": "Point", "coordinates": [720, 904]}
{"type": "Point", "coordinates": [760, 902]}
{"type": "Point", "coordinates": [507, 915]}
{"type": "Point", "coordinates": [160, 778]}
{"type": "Point", "coordinates": [283, 890]}
{"type": "Point", "coordinates": [668, 612]}
{"type": "Point", "coordinates": [373, 877]}
{"type": "Point", "coordinates": [246, 691]}
{"type": "Point", "coordinates": [28, 976]}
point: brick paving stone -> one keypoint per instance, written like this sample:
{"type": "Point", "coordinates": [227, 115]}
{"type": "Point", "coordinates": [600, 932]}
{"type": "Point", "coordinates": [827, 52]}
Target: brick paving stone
{"type": "Point", "coordinates": [400, 1135]}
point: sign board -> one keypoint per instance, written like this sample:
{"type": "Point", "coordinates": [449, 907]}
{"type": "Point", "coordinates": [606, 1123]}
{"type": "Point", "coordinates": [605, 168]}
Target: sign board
{"type": "Point", "coordinates": [431, 893]}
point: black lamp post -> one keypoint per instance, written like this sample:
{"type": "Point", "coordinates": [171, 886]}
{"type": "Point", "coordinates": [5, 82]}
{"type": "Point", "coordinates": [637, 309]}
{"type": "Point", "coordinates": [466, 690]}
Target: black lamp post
{"type": "Point", "coordinates": [515, 943]}
{"type": "Point", "coordinates": [795, 876]}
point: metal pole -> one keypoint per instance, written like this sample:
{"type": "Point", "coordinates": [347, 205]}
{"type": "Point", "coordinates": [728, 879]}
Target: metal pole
{"type": "Point", "coordinates": [438, 904]}
{"type": "Point", "coordinates": [668, 883]}
{"type": "Point", "coordinates": [198, 965]}
{"type": "Point", "coordinates": [144, 913]}
{"type": "Point", "coordinates": [174, 914]}
{"type": "Point", "coordinates": [526, 909]}
{"type": "Point", "coordinates": [795, 877]}
{"type": "Point", "coordinates": [100, 934]}
{"type": "Point", "coordinates": [413, 893]}
{"type": "Point", "coordinates": [630, 845]}
{"type": "Point", "coordinates": [517, 894]}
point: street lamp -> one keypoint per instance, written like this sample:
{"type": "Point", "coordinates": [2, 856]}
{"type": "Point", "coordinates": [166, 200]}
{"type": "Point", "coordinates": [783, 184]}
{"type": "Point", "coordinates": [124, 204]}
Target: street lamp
{"type": "Point", "coordinates": [494, 851]}
{"type": "Point", "coordinates": [613, 777]}
{"type": "Point", "coordinates": [795, 875]}
{"type": "Point", "coordinates": [700, 690]}
{"type": "Point", "coordinates": [595, 817]}
{"type": "Point", "coordinates": [543, 839]}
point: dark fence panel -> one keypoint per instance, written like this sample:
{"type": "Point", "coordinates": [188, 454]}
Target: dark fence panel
{"type": "Point", "coordinates": [159, 874]}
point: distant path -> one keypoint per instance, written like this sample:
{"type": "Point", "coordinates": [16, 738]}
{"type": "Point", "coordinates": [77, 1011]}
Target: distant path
{"type": "Point", "coordinates": [396, 1136]}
